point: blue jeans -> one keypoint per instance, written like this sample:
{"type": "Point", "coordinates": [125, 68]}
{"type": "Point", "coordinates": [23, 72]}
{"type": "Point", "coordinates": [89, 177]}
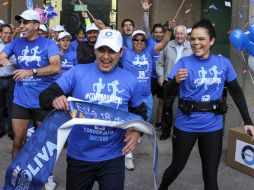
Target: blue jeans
{"type": "Point", "coordinates": [148, 100]}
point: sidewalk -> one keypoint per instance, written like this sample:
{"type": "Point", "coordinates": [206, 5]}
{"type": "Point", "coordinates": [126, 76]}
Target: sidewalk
{"type": "Point", "coordinates": [141, 177]}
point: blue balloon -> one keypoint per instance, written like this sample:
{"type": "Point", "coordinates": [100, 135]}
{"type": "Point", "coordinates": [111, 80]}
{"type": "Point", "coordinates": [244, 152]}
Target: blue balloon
{"type": "Point", "coordinates": [237, 39]}
{"type": "Point", "coordinates": [248, 44]}
{"type": "Point", "coordinates": [251, 30]}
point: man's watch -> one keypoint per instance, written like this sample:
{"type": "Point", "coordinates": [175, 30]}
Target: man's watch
{"type": "Point", "coordinates": [34, 72]}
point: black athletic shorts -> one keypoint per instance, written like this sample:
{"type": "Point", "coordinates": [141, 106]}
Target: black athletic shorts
{"type": "Point", "coordinates": [156, 88]}
{"type": "Point", "coordinates": [20, 112]}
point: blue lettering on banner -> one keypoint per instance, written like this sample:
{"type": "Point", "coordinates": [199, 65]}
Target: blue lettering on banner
{"type": "Point", "coordinates": [35, 162]}
{"type": "Point", "coordinates": [91, 110]}
{"type": "Point", "coordinates": [248, 155]}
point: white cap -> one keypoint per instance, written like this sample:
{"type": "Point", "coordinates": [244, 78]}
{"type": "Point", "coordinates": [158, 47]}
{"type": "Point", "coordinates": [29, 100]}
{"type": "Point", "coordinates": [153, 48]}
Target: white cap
{"type": "Point", "coordinates": [90, 27]}
{"type": "Point", "coordinates": [110, 38]}
{"type": "Point", "coordinates": [64, 34]}
{"type": "Point", "coordinates": [43, 28]}
{"type": "Point", "coordinates": [2, 22]}
{"type": "Point", "coordinates": [28, 15]}
{"type": "Point", "coordinates": [58, 28]}
{"type": "Point", "coordinates": [138, 32]}
{"type": "Point", "coordinates": [189, 30]}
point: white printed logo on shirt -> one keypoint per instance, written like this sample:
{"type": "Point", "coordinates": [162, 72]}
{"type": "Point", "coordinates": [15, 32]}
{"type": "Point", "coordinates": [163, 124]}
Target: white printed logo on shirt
{"type": "Point", "coordinates": [110, 97]}
{"type": "Point", "coordinates": [208, 80]}
{"type": "Point", "coordinates": [30, 55]}
{"type": "Point", "coordinates": [140, 61]}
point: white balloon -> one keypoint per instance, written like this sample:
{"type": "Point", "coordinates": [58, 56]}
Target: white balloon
{"type": "Point", "coordinates": [251, 63]}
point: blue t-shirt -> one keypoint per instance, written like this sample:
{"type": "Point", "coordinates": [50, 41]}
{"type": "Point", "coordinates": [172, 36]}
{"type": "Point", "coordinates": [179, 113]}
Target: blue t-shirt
{"type": "Point", "coordinates": [29, 55]}
{"type": "Point", "coordinates": [74, 44]}
{"type": "Point", "coordinates": [140, 64]}
{"type": "Point", "coordinates": [87, 82]}
{"type": "Point", "coordinates": [127, 41]}
{"type": "Point", "coordinates": [152, 42]}
{"type": "Point", "coordinates": [205, 82]}
{"type": "Point", "coordinates": [68, 60]}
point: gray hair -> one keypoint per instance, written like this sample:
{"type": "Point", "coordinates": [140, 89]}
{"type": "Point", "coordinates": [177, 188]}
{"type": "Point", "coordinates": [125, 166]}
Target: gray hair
{"type": "Point", "coordinates": [180, 26]}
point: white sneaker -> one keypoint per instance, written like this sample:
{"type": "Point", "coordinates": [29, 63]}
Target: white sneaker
{"type": "Point", "coordinates": [129, 165]}
{"type": "Point", "coordinates": [51, 184]}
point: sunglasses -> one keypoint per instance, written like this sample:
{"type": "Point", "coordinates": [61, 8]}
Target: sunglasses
{"type": "Point", "coordinates": [59, 31]}
{"type": "Point", "coordinates": [138, 40]}
{"type": "Point", "coordinates": [25, 22]}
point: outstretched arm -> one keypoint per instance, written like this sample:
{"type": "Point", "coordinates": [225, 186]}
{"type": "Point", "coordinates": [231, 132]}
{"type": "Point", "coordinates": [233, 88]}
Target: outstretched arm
{"type": "Point", "coordinates": [146, 6]}
{"type": "Point", "coordinates": [86, 18]}
{"type": "Point", "coordinates": [166, 38]}
{"type": "Point", "coordinates": [100, 24]}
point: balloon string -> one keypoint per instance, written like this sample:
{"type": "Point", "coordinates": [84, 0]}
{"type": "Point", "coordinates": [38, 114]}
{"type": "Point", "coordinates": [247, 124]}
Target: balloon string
{"type": "Point", "coordinates": [247, 68]}
{"type": "Point", "coordinates": [251, 77]}
{"type": "Point", "coordinates": [180, 7]}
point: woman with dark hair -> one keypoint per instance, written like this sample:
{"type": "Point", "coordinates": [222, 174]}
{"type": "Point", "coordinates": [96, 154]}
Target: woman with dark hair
{"type": "Point", "coordinates": [200, 79]}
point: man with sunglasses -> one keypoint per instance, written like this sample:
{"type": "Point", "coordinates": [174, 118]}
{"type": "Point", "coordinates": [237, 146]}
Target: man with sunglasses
{"type": "Point", "coordinates": [37, 60]}
{"type": "Point", "coordinates": [93, 153]}
{"type": "Point", "coordinates": [139, 60]}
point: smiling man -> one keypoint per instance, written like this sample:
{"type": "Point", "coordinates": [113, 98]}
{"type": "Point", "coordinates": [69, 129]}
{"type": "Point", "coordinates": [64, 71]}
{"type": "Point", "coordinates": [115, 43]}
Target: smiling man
{"type": "Point", "coordinates": [128, 28]}
{"type": "Point", "coordinates": [97, 154]}
{"type": "Point", "coordinates": [37, 59]}
{"type": "Point", "coordinates": [139, 61]}
{"type": "Point", "coordinates": [85, 50]}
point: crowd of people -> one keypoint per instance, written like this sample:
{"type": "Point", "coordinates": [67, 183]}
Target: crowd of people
{"type": "Point", "coordinates": [40, 68]}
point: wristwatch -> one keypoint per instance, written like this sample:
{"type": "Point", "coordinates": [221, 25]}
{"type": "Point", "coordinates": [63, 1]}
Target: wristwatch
{"type": "Point", "coordinates": [34, 72]}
